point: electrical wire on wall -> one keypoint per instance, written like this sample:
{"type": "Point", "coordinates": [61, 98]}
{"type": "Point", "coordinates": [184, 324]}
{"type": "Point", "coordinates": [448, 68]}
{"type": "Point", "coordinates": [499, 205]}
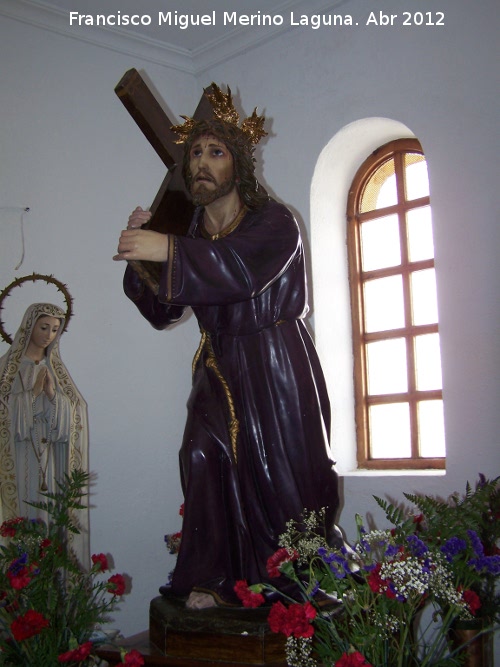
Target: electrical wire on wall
{"type": "Point", "coordinates": [22, 210]}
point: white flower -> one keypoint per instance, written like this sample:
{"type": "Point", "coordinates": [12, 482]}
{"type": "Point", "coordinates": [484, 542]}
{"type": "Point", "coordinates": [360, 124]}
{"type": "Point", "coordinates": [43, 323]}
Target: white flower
{"type": "Point", "coordinates": [298, 652]}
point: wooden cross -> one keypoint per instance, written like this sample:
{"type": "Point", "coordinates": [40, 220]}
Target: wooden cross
{"type": "Point", "coordinates": [171, 209]}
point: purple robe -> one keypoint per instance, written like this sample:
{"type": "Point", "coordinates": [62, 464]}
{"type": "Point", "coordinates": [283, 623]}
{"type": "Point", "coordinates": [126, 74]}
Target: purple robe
{"type": "Point", "coordinates": [255, 446]}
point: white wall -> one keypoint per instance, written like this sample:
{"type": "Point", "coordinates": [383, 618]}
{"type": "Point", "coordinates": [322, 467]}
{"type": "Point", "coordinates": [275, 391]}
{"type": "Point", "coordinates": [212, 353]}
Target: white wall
{"type": "Point", "coordinates": [71, 152]}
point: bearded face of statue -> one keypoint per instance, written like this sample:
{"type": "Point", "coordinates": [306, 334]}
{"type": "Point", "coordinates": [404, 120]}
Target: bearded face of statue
{"type": "Point", "coordinates": [212, 170]}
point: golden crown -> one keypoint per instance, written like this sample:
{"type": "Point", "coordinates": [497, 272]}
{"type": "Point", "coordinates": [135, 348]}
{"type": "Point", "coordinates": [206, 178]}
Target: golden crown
{"type": "Point", "coordinates": [223, 108]}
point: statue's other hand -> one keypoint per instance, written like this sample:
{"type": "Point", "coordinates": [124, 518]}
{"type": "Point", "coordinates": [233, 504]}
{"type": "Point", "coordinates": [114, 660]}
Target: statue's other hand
{"type": "Point", "coordinates": [39, 382]}
{"type": "Point", "coordinates": [138, 217]}
{"type": "Point", "coordinates": [49, 387]}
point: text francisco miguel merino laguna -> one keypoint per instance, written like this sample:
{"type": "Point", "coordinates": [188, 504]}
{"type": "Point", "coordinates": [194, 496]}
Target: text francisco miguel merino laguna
{"type": "Point", "coordinates": [184, 21]}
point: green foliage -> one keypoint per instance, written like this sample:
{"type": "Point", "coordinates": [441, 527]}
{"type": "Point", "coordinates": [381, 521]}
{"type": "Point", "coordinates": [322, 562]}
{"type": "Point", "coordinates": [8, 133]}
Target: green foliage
{"type": "Point", "coordinates": [49, 604]}
{"type": "Point", "coordinates": [476, 512]}
{"type": "Point", "coordinates": [60, 504]}
{"type": "Point", "coordinates": [397, 516]}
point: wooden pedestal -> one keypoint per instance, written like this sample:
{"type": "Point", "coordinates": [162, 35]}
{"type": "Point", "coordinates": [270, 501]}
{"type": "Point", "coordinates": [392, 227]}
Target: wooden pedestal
{"type": "Point", "coordinates": [179, 637]}
{"type": "Point", "coordinates": [214, 636]}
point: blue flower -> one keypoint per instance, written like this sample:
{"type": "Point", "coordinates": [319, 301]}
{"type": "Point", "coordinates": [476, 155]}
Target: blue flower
{"type": "Point", "coordinates": [392, 550]}
{"type": "Point", "coordinates": [477, 545]}
{"type": "Point", "coordinates": [427, 566]}
{"type": "Point", "coordinates": [17, 565]}
{"type": "Point", "coordinates": [489, 563]}
{"type": "Point", "coordinates": [392, 588]}
{"type": "Point", "coordinates": [493, 564]}
{"type": "Point", "coordinates": [325, 555]}
{"type": "Point", "coordinates": [452, 547]}
{"type": "Point", "coordinates": [339, 566]}
{"type": "Point", "coordinates": [417, 547]}
{"type": "Point", "coordinates": [315, 589]}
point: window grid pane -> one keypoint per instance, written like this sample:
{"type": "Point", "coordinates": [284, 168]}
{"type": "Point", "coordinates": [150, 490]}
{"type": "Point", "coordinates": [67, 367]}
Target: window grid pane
{"type": "Point", "coordinates": [384, 304]}
{"type": "Point", "coordinates": [424, 297]}
{"type": "Point", "coordinates": [431, 428]}
{"type": "Point", "coordinates": [386, 367]}
{"type": "Point", "coordinates": [390, 431]}
{"type": "Point", "coordinates": [416, 176]}
{"type": "Point", "coordinates": [380, 190]}
{"type": "Point", "coordinates": [380, 243]}
{"type": "Point", "coordinates": [420, 238]}
{"type": "Point", "coordinates": [428, 362]}
{"type": "Point", "coordinates": [398, 381]}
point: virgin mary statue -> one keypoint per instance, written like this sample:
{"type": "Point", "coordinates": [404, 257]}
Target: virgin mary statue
{"type": "Point", "coordinates": [43, 421]}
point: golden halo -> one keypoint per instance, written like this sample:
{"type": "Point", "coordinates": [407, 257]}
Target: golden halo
{"type": "Point", "coordinates": [61, 287]}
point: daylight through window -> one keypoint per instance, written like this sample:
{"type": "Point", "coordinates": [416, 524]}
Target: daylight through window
{"type": "Point", "coordinates": [399, 403]}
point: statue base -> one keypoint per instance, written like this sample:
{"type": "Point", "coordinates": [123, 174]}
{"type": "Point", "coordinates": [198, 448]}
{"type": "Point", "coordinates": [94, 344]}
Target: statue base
{"type": "Point", "coordinates": [180, 637]}
{"type": "Point", "coordinates": [214, 636]}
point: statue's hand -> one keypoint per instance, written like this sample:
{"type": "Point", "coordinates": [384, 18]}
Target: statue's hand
{"type": "Point", "coordinates": [138, 217]}
{"type": "Point", "coordinates": [142, 244]}
{"type": "Point", "coordinates": [39, 382]}
{"type": "Point", "coordinates": [49, 386]}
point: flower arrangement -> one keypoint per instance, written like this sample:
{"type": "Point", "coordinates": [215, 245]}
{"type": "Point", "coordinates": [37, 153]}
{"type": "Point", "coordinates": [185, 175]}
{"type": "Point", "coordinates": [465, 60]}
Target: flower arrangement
{"type": "Point", "coordinates": [467, 530]}
{"type": "Point", "coordinates": [445, 560]}
{"type": "Point", "coordinates": [49, 606]}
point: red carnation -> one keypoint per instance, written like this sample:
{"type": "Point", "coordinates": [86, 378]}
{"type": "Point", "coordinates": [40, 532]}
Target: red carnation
{"type": "Point", "coordinates": [32, 623]}
{"type": "Point", "coordinates": [248, 597]}
{"type": "Point", "coordinates": [101, 562]}
{"type": "Point", "coordinates": [352, 660]}
{"type": "Point", "coordinates": [20, 579]}
{"type": "Point", "coordinates": [375, 581]}
{"type": "Point", "coordinates": [280, 557]}
{"type": "Point", "coordinates": [44, 546]}
{"type": "Point", "coordinates": [133, 659]}
{"type": "Point", "coordinates": [293, 620]}
{"type": "Point", "coordinates": [472, 600]}
{"type": "Point", "coordinates": [9, 527]}
{"type": "Point", "coordinates": [379, 585]}
{"type": "Point", "coordinates": [277, 618]}
{"type": "Point", "coordinates": [77, 654]}
{"type": "Point", "coordinates": [116, 584]}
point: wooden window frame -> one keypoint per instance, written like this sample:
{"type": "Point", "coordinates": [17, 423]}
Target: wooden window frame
{"type": "Point", "coordinates": [394, 149]}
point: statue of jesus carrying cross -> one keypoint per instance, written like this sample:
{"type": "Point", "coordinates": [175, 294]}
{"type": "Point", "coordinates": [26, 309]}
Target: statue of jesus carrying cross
{"type": "Point", "coordinates": [255, 448]}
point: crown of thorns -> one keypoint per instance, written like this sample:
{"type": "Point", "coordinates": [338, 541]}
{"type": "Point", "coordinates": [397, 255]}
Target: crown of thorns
{"type": "Point", "coordinates": [223, 109]}
{"type": "Point", "coordinates": [34, 277]}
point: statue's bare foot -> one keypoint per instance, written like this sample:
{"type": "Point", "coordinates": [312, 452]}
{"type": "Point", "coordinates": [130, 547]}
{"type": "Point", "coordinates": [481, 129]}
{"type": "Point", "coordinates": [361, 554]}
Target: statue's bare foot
{"type": "Point", "coordinates": [199, 600]}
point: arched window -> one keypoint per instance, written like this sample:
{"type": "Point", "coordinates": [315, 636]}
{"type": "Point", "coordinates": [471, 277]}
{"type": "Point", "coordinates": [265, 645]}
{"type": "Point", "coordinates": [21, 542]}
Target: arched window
{"type": "Point", "coordinates": [397, 364]}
